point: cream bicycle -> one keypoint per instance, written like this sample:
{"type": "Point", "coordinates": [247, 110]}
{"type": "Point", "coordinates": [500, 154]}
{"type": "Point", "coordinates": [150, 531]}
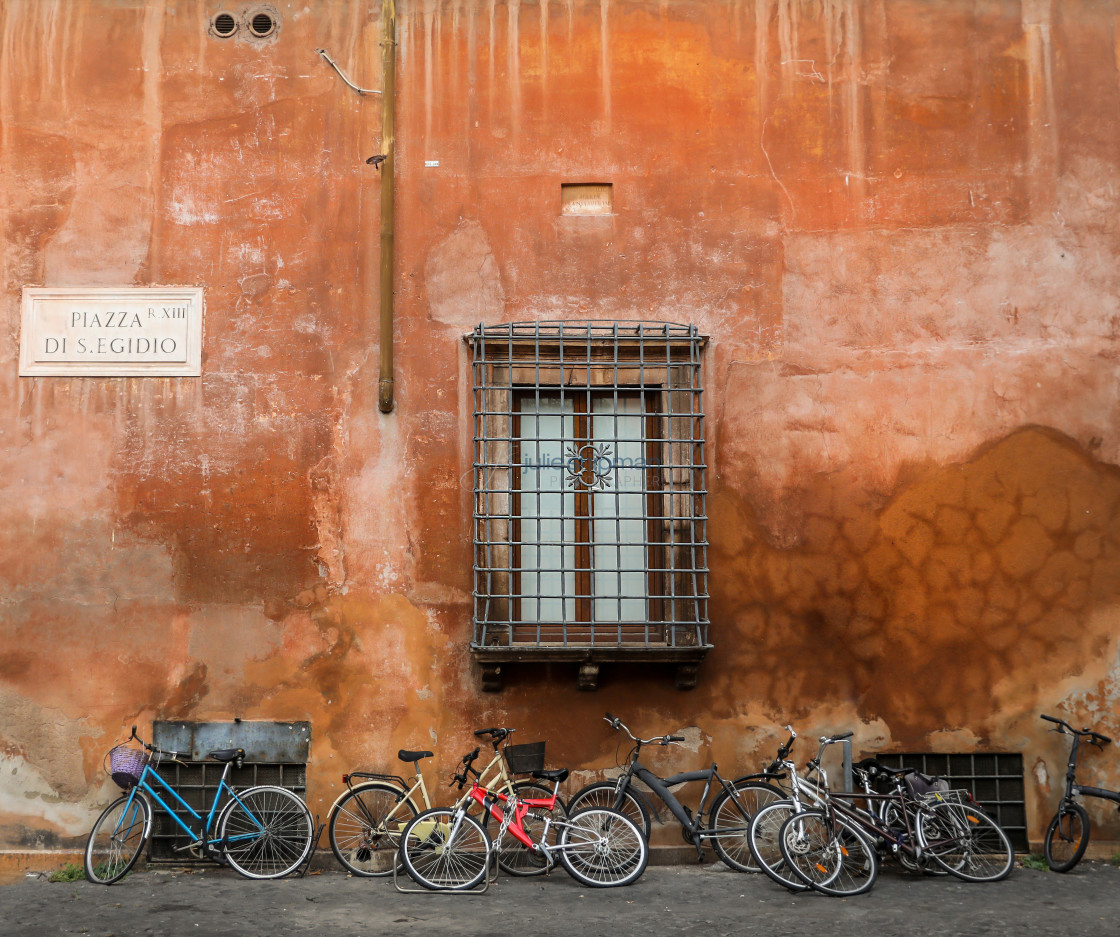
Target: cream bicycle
{"type": "Point", "coordinates": [365, 822]}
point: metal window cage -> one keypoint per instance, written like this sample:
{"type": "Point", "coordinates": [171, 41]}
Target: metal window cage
{"type": "Point", "coordinates": [590, 488]}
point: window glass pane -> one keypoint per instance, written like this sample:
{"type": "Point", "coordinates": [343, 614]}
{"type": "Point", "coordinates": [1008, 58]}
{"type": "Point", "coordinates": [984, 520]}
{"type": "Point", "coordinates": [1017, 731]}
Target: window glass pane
{"type": "Point", "coordinates": [548, 556]}
{"type": "Point", "coordinates": [619, 580]}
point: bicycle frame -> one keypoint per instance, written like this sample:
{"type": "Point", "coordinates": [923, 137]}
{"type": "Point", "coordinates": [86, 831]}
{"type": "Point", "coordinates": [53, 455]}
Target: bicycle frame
{"type": "Point", "coordinates": [872, 822]}
{"type": "Point", "coordinates": [661, 787]}
{"type": "Point", "coordinates": [494, 774]}
{"type": "Point", "coordinates": [693, 825]}
{"type": "Point", "coordinates": [1072, 787]}
{"type": "Point", "coordinates": [510, 818]}
{"type": "Point", "coordinates": [211, 847]}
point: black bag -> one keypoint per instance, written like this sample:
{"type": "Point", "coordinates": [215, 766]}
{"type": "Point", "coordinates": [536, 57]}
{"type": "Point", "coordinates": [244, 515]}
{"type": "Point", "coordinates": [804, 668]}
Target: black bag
{"type": "Point", "coordinates": [921, 784]}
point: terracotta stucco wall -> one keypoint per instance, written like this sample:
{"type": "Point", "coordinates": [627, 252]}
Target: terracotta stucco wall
{"type": "Point", "coordinates": [896, 221]}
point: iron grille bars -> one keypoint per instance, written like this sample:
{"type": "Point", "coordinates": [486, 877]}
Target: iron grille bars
{"type": "Point", "coordinates": [590, 524]}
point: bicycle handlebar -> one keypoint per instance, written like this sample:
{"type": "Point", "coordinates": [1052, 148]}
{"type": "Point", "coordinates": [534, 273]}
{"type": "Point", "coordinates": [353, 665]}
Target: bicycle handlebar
{"type": "Point", "coordinates": [461, 777]}
{"type": "Point", "coordinates": [1095, 738]}
{"type": "Point", "coordinates": [616, 723]}
{"type": "Point", "coordinates": [497, 735]}
{"type": "Point", "coordinates": [786, 746]}
{"type": "Point", "coordinates": [839, 737]}
{"type": "Point", "coordinates": [155, 750]}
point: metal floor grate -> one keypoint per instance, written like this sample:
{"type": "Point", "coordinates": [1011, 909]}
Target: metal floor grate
{"type": "Point", "coordinates": [995, 780]}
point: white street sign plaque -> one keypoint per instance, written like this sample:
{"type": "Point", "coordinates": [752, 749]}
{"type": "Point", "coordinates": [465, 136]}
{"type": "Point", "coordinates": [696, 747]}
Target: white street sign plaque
{"type": "Point", "coordinates": [131, 331]}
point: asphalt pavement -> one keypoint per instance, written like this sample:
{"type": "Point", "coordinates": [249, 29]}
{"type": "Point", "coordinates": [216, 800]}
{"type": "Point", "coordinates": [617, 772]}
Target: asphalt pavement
{"type": "Point", "coordinates": [704, 900]}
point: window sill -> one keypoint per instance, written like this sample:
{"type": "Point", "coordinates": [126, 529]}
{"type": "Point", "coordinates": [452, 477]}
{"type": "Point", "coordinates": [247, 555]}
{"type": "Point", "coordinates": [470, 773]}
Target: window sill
{"type": "Point", "coordinates": [492, 657]}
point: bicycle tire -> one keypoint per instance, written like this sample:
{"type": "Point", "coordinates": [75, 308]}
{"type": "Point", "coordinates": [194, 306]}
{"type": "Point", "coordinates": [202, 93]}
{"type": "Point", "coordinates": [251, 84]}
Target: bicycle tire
{"type": "Point", "coordinates": [265, 832]}
{"type": "Point", "coordinates": [117, 839]}
{"type": "Point", "coordinates": [972, 847]}
{"type": "Point", "coordinates": [437, 863]}
{"type": "Point", "coordinates": [1067, 837]}
{"type": "Point", "coordinates": [833, 856]}
{"type": "Point", "coordinates": [365, 827]}
{"type": "Point", "coordinates": [514, 857]}
{"type": "Point", "coordinates": [603, 848]}
{"type": "Point", "coordinates": [730, 821]}
{"type": "Point", "coordinates": [762, 839]}
{"type": "Point", "coordinates": [606, 794]}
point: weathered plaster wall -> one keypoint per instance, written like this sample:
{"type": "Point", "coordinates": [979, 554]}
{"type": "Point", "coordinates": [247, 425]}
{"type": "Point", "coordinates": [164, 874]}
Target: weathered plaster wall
{"type": "Point", "coordinates": [896, 221]}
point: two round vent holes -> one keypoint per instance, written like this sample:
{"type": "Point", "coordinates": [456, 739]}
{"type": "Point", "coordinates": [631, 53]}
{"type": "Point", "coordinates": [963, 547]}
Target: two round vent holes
{"type": "Point", "coordinates": [258, 23]}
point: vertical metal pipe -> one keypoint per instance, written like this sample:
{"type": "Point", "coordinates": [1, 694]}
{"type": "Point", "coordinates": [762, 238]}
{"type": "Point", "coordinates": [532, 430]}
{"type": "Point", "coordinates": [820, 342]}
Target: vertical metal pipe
{"type": "Point", "coordinates": [388, 145]}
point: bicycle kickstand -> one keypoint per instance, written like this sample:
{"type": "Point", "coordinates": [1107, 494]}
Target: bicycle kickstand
{"type": "Point", "coordinates": [305, 866]}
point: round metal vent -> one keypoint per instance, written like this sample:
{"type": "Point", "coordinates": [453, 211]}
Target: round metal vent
{"type": "Point", "coordinates": [262, 25]}
{"type": "Point", "coordinates": [224, 25]}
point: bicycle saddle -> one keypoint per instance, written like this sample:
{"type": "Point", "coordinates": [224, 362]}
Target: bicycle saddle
{"type": "Point", "coordinates": [557, 774]}
{"type": "Point", "coordinates": [407, 756]}
{"type": "Point", "coordinates": [897, 772]}
{"type": "Point", "coordinates": [227, 754]}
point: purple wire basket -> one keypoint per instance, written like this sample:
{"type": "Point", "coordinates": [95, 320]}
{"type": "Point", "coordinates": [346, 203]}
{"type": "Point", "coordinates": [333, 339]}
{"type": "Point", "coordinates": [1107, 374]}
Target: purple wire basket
{"type": "Point", "coordinates": [126, 765]}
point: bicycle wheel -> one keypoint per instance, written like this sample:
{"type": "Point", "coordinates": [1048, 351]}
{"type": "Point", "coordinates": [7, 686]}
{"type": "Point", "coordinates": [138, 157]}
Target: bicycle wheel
{"type": "Point", "coordinates": [831, 855]}
{"type": "Point", "coordinates": [764, 844]}
{"type": "Point", "coordinates": [1066, 837]}
{"type": "Point", "coordinates": [731, 821]}
{"type": "Point", "coordinates": [117, 839]}
{"type": "Point", "coordinates": [365, 826]}
{"type": "Point", "coordinates": [603, 848]}
{"type": "Point", "coordinates": [966, 842]}
{"type": "Point", "coordinates": [443, 849]}
{"type": "Point", "coordinates": [265, 832]}
{"type": "Point", "coordinates": [606, 794]}
{"type": "Point", "coordinates": [514, 857]}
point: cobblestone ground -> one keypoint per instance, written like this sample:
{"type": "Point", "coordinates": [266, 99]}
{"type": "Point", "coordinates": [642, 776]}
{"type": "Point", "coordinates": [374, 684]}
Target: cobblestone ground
{"type": "Point", "coordinates": [705, 900]}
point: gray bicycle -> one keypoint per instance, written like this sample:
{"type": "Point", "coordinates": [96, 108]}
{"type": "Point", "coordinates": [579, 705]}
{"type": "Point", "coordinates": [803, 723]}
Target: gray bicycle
{"type": "Point", "coordinates": [724, 820]}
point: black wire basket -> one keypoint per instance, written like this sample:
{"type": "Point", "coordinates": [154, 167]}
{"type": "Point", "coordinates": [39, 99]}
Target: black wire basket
{"type": "Point", "coordinates": [525, 759]}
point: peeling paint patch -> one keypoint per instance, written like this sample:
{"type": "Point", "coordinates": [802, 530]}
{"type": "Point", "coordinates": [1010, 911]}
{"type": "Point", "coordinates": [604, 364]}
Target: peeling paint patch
{"type": "Point", "coordinates": [27, 796]}
{"type": "Point", "coordinates": [463, 279]}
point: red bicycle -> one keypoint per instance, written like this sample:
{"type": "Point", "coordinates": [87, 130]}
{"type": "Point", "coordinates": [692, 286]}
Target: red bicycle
{"type": "Point", "coordinates": [448, 849]}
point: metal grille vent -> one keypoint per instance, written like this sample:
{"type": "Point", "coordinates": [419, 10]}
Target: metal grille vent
{"type": "Point", "coordinates": [995, 780]}
{"type": "Point", "coordinates": [197, 782]}
{"type": "Point", "coordinates": [590, 524]}
{"type": "Point", "coordinates": [224, 25]}
{"type": "Point", "coordinates": [262, 25]}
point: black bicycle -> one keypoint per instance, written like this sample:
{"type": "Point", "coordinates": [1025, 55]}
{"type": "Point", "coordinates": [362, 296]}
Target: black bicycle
{"type": "Point", "coordinates": [728, 821]}
{"type": "Point", "coordinates": [1068, 833]}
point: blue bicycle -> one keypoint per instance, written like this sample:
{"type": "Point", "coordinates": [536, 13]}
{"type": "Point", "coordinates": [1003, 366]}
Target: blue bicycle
{"type": "Point", "coordinates": [260, 832]}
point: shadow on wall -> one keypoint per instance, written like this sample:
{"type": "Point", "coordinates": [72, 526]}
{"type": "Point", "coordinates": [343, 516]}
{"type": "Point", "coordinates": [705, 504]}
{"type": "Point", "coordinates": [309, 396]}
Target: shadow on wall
{"type": "Point", "coordinates": [969, 591]}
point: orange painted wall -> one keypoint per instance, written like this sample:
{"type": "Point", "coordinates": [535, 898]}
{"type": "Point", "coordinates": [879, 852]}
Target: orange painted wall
{"type": "Point", "coordinates": [896, 221]}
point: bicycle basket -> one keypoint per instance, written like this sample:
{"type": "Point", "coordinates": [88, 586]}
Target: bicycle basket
{"type": "Point", "coordinates": [525, 759]}
{"type": "Point", "coordinates": [126, 765]}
